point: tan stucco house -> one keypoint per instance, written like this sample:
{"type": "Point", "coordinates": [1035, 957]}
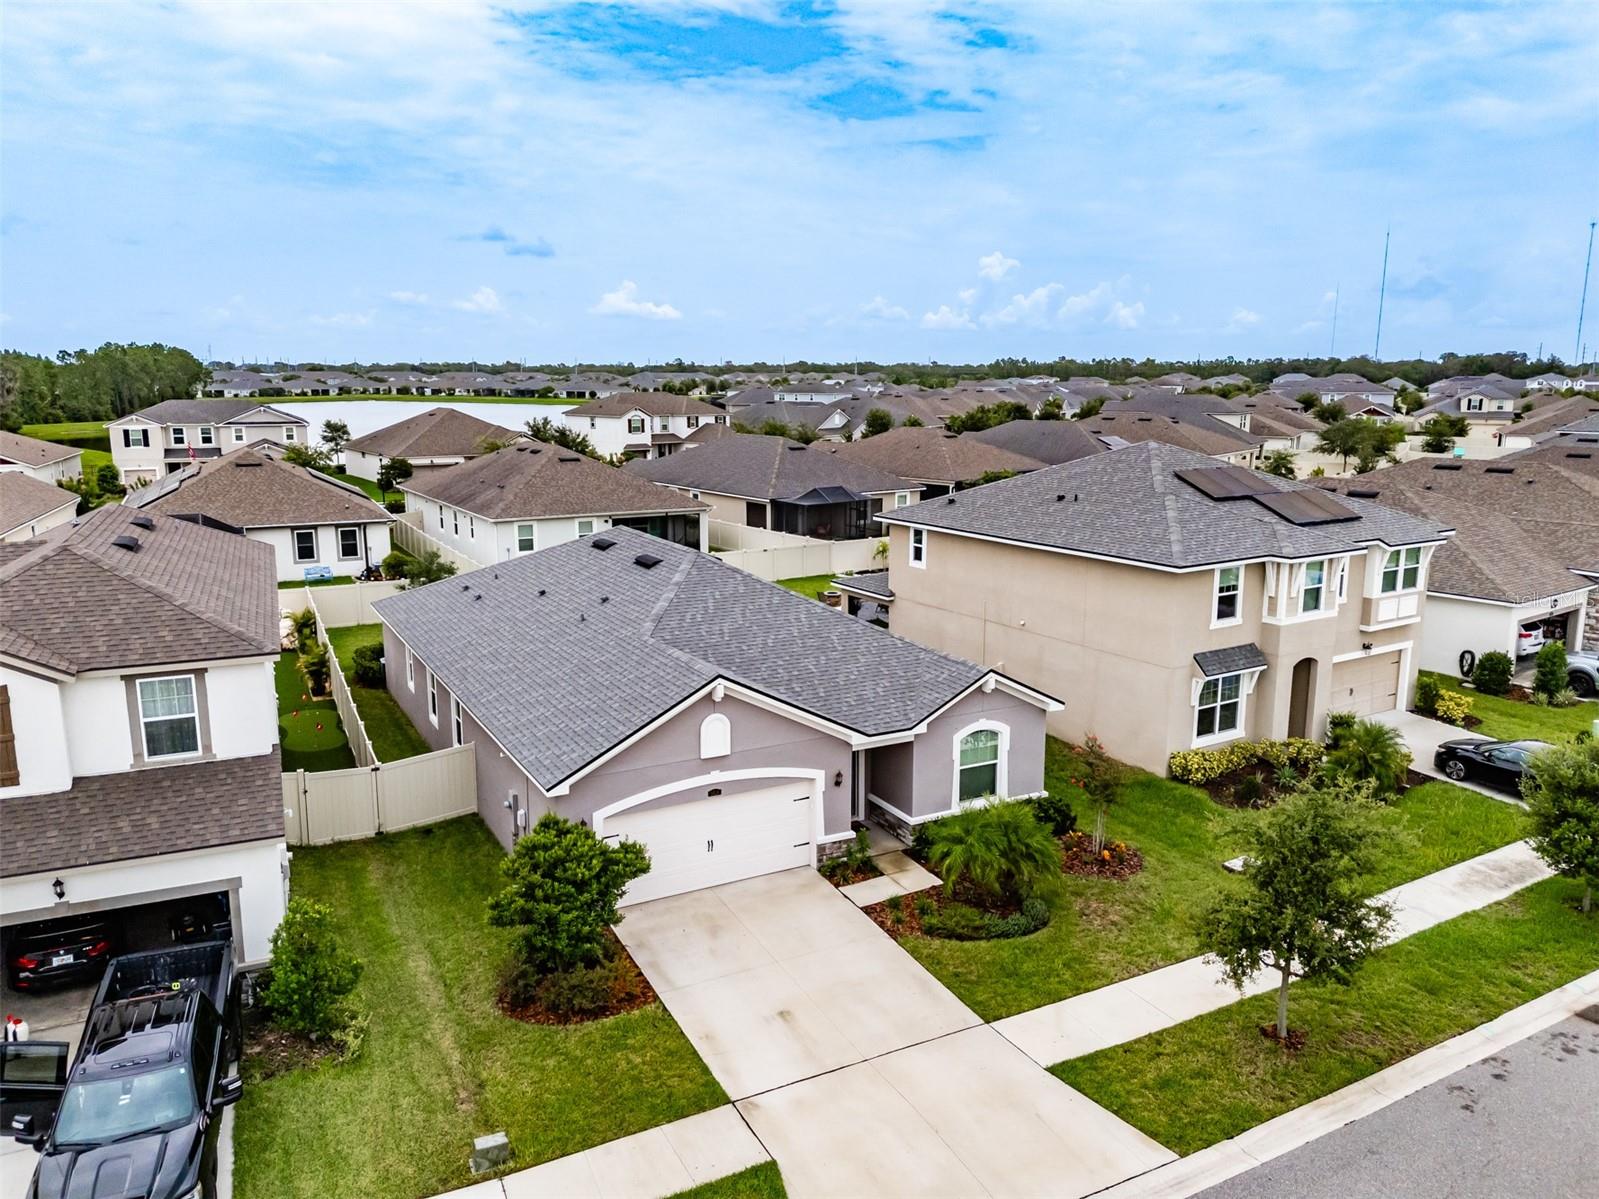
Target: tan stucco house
{"type": "Point", "coordinates": [1170, 601]}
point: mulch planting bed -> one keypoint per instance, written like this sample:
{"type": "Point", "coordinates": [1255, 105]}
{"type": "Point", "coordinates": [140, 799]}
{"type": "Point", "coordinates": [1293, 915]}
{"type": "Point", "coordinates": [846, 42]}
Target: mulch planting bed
{"type": "Point", "coordinates": [1294, 1042]}
{"type": "Point", "coordinates": [842, 875]}
{"type": "Point", "coordinates": [1117, 860]}
{"type": "Point", "coordinates": [1471, 721]}
{"type": "Point", "coordinates": [270, 1051]}
{"type": "Point", "coordinates": [630, 991]}
{"type": "Point", "coordinates": [910, 920]}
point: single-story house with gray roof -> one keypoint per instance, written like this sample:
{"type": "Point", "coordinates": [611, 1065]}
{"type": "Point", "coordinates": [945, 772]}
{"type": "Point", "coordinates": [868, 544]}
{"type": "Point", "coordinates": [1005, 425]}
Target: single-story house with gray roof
{"type": "Point", "coordinates": [732, 727]}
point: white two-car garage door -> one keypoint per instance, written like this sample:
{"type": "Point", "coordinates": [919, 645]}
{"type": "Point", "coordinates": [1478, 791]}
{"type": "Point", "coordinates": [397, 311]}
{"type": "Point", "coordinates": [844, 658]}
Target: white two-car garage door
{"type": "Point", "coordinates": [1366, 685]}
{"type": "Point", "coordinates": [705, 842]}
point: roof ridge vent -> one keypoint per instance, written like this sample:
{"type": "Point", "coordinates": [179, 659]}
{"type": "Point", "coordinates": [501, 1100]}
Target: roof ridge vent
{"type": "Point", "coordinates": [602, 543]}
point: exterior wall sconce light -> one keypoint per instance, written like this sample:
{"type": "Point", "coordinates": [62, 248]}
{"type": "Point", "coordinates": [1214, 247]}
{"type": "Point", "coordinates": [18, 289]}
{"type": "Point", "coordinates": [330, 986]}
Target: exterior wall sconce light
{"type": "Point", "coordinates": [838, 778]}
{"type": "Point", "coordinates": [60, 889]}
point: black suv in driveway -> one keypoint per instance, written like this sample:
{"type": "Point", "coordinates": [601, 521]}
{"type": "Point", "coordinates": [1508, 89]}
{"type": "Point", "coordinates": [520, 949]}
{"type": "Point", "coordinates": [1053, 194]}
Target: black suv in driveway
{"type": "Point", "coordinates": [140, 1110]}
{"type": "Point", "coordinates": [57, 951]}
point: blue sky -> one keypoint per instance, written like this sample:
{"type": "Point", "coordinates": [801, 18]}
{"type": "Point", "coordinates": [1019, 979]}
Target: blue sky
{"type": "Point", "coordinates": [776, 179]}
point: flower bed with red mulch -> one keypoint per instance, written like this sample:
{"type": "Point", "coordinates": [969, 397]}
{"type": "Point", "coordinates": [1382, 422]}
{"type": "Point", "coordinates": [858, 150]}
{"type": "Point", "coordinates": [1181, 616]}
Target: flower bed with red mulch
{"type": "Point", "coordinates": [627, 991]}
{"type": "Point", "coordinates": [1117, 860]}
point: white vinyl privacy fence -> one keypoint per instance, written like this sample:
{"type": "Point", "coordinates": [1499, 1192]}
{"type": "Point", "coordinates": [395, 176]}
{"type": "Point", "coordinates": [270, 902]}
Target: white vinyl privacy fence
{"type": "Point", "coordinates": [342, 604]}
{"type": "Point", "coordinates": [407, 533]}
{"type": "Point", "coordinates": [345, 805]}
{"type": "Point", "coordinates": [772, 555]}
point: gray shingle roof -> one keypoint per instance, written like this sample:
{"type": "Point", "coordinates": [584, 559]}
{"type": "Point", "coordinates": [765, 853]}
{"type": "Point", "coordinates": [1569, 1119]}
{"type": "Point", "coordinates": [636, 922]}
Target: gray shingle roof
{"type": "Point", "coordinates": [1048, 441]}
{"type": "Point", "coordinates": [933, 455]}
{"type": "Point", "coordinates": [760, 467]}
{"type": "Point", "coordinates": [73, 601]}
{"type": "Point", "coordinates": [564, 653]}
{"type": "Point", "coordinates": [142, 813]}
{"type": "Point", "coordinates": [24, 499]}
{"type": "Point", "coordinates": [209, 412]}
{"type": "Point", "coordinates": [869, 582]}
{"type": "Point", "coordinates": [1234, 658]}
{"type": "Point", "coordinates": [534, 479]}
{"type": "Point", "coordinates": [655, 403]}
{"type": "Point", "coordinates": [249, 489]}
{"type": "Point", "coordinates": [30, 451]}
{"type": "Point", "coordinates": [436, 433]}
{"type": "Point", "coordinates": [1129, 504]}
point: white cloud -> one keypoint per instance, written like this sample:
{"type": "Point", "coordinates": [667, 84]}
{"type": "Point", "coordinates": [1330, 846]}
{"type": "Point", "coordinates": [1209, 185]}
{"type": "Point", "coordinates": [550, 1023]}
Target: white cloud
{"type": "Point", "coordinates": [344, 320]}
{"type": "Point", "coordinates": [996, 266]}
{"type": "Point", "coordinates": [1125, 316]}
{"type": "Point", "coordinates": [1033, 308]}
{"type": "Point", "coordinates": [1241, 319]}
{"type": "Point", "coordinates": [882, 310]}
{"type": "Point", "coordinates": [967, 296]}
{"type": "Point", "coordinates": [409, 297]}
{"type": "Point", "coordinates": [484, 299]}
{"type": "Point", "coordinates": [624, 301]}
{"type": "Point", "coordinates": [1088, 301]}
{"type": "Point", "coordinates": [947, 318]}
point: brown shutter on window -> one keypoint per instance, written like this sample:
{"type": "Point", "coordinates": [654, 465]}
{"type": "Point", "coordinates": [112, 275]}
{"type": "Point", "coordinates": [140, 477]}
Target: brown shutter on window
{"type": "Point", "coordinates": [9, 775]}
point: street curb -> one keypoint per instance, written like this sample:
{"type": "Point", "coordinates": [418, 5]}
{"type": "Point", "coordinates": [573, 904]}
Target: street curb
{"type": "Point", "coordinates": [1284, 1133]}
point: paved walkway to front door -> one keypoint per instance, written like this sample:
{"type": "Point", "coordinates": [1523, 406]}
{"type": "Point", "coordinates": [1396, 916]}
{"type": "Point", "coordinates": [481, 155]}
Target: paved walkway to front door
{"type": "Point", "coordinates": [856, 1069]}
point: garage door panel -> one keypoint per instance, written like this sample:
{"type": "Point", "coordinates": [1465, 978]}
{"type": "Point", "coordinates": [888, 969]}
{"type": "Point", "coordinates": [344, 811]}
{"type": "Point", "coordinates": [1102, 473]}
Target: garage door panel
{"type": "Point", "coordinates": [706, 842]}
{"type": "Point", "coordinates": [1366, 686]}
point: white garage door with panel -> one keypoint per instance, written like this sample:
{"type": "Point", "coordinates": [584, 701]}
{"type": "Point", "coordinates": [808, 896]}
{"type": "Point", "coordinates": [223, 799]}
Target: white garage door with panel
{"type": "Point", "coordinates": [716, 840]}
{"type": "Point", "coordinates": [1366, 685]}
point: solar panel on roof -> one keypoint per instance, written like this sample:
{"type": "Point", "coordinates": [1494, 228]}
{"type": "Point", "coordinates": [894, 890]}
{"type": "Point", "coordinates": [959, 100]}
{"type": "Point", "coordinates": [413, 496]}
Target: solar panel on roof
{"type": "Point", "coordinates": [1306, 507]}
{"type": "Point", "coordinates": [1225, 482]}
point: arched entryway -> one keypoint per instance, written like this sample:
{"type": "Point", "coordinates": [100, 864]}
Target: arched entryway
{"type": "Point", "coordinates": [1300, 691]}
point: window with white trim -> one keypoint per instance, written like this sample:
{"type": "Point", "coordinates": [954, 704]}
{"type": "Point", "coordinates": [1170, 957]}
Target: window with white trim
{"type": "Point", "coordinates": [1229, 588]}
{"type": "Point", "coordinates": [1313, 590]}
{"type": "Point", "coordinates": [208, 435]}
{"type": "Point", "coordinates": [349, 542]}
{"type": "Point", "coordinates": [441, 518]}
{"type": "Point", "coordinates": [433, 695]}
{"type": "Point", "coordinates": [179, 435]}
{"type": "Point", "coordinates": [1221, 707]}
{"type": "Point", "coordinates": [585, 527]}
{"type": "Point", "coordinates": [919, 547]}
{"type": "Point", "coordinates": [304, 545]}
{"type": "Point", "coordinates": [238, 435]}
{"type": "Point", "coordinates": [288, 434]}
{"type": "Point", "coordinates": [635, 424]}
{"type": "Point", "coordinates": [410, 668]}
{"type": "Point", "coordinates": [456, 737]}
{"type": "Point", "coordinates": [136, 438]}
{"type": "Point", "coordinates": [694, 422]}
{"type": "Point", "coordinates": [525, 540]}
{"type": "Point", "coordinates": [1401, 570]}
{"type": "Point", "coordinates": [169, 716]}
{"type": "Point", "coordinates": [902, 499]}
{"type": "Point", "coordinates": [471, 526]}
{"type": "Point", "coordinates": [978, 764]}
{"type": "Point", "coordinates": [455, 521]}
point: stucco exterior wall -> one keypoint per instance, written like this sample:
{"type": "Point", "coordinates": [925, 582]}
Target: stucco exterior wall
{"type": "Point", "coordinates": [375, 540]}
{"type": "Point", "coordinates": [46, 522]}
{"type": "Point", "coordinates": [487, 542]}
{"type": "Point", "coordinates": [70, 467]}
{"type": "Point", "coordinates": [43, 763]}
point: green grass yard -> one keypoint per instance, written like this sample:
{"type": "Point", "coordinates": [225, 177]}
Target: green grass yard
{"type": "Point", "coordinates": [1511, 720]}
{"type": "Point", "coordinates": [1212, 1077]}
{"type": "Point", "coordinates": [439, 1064]}
{"type": "Point", "coordinates": [1106, 931]}
{"type": "Point", "coordinates": [809, 585]}
{"type": "Point", "coordinates": [310, 734]}
{"type": "Point", "coordinates": [764, 1181]}
{"type": "Point", "coordinates": [72, 430]}
{"type": "Point", "coordinates": [392, 733]}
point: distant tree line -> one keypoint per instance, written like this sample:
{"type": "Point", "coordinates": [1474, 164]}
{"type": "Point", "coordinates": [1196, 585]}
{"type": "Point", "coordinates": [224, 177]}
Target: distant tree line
{"type": "Point", "coordinates": [93, 385]}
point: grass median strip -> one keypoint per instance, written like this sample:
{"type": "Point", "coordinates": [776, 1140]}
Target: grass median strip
{"type": "Point", "coordinates": [1105, 931]}
{"type": "Point", "coordinates": [439, 1064]}
{"type": "Point", "coordinates": [1215, 1076]}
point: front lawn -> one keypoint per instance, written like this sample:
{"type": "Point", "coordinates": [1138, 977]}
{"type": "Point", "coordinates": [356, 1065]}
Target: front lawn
{"type": "Point", "coordinates": [392, 733]}
{"type": "Point", "coordinates": [310, 733]}
{"type": "Point", "coordinates": [1105, 931]}
{"type": "Point", "coordinates": [764, 1181]}
{"type": "Point", "coordinates": [809, 585]}
{"type": "Point", "coordinates": [1511, 720]}
{"type": "Point", "coordinates": [1215, 1076]}
{"type": "Point", "coordinates": [439, 1065]}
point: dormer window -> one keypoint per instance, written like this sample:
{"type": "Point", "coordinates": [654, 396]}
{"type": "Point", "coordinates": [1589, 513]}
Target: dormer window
{"type": "Point", "coordinates": [1401, 570]}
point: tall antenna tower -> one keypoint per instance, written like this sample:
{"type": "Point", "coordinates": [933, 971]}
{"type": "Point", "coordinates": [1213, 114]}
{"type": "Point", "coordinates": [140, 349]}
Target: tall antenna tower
{"type": "Point", "coordinates": [1332, 346]}
{"type": "Point", "coordinates": [1582, 308]}
{"type": "Point", "coordinates": [1382, 292]}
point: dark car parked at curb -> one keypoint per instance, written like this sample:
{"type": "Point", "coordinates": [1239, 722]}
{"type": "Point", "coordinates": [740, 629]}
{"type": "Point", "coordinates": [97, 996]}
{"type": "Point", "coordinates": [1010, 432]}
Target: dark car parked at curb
{"type": "Point", "coordinates": [57, 951]}
{"type": "Point", "coordinates": [140, 1110]}
{"type": "Point", "coordinates": [1497, 764]}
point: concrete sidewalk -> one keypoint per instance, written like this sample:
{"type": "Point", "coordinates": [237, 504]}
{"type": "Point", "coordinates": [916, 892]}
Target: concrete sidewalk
{"type": "Point", "coordinates": [1150, 1002]}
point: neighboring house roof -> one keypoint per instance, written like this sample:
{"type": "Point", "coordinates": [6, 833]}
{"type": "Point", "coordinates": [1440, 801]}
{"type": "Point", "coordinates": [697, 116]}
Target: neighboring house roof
{"type": "Point", "coordinates": [872, 583]}
{"type": "Point", "coordinates": [72, 600]}
{"type": "Point", "coordinates": [1131, 505]}
{"type": "Point", "coordinates": [1049, 441]}
{"type": "Point", "coordinates": [758, 467]}
{"type": "Point", "coordinates": [652, 403]}
{"type": "Point", "coordinates": [1552, 412]}
{"type": "Point", "coordinates": [208, 412]}
{"type": "Point", "coordinates": [787, 412]}
{"type": "Point", "coordinates": [249, 489]}
{"type": "Point", "coordinates": [564, 654]}
{"type": "Point", "coordinates": [1198, 432]}
{"type": "Point", "coordinates": [24, 499]}
{"type": "Point", "coordinates": [534, 479]}
{"type": "Point", "coordinates": [711, 432]}
{"type": "Point", "coordinates": [30, 451]}
{"type": "Point", "coordinates": [144, 813]}
{"type": "Point", "coordinates": [436, 433]}
{"type": "Point", "coordinates": [933, 456]}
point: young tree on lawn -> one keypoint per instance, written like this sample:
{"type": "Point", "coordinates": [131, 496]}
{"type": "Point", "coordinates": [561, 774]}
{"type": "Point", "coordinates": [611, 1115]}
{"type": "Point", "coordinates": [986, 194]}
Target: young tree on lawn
{"type": "Point", "coordinates": [335, 435]}
{"type": "Point", "coordinates": [562, 888]}
{"type": "Point", "coordinates": [1549, 680]}
{"type": "Point", "coordinates": [1102, 777]}
{"type": "Point", "coordinates": [1301, 913]}
{"type": "Point", "coordinates": [1279, 463]}
{"type": "Point", "coordinates": [392, 473]}
{"type": "Point", "coordinates": [1561, 788]}
{"type": "Point", "coordinates": [1342, 438]}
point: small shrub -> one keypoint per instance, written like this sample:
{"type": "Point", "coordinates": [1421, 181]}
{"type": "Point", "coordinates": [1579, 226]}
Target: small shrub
{"type": "Point", "coordinates": [1427, 693]}
{"type": "Point", "coordinates": [1338, 725]}
{"type": "Point", "coordinates": [1249, 791]}
{"type": "Point", "coordinates": [1055, 813]}
{"type": "Point", "coordinates": [859, 854]}
{"type": "Point", "coordinates": [586, 990]}
{"type": "Point", "coordinates": [1550, 676]}
{"type": "Point", "coordinates": [962, 922]}
{"type": "Point", "coordinates": [1202, 766]}
{"type": "Point", "coordinates": [396, 564]}
{"type": "Point", "coordinates": [1000, 848]}
{"type": "Point", "coordinates": [368, 662]}
{"type": "Point", "coordinates": [1494, 672]}
{"type": "Point", "coordinates": [304, 624]}
{"type": "Point", "coordinates": [895, 906]}
{"type": "Point", "coordinates": [1564, 698]}
{"type": "Point", "coordinates": [311, 975]}
{"type": "Point", "coordinates": [1453, 708]}
{"type": "Point", "coordinates": [1372, 752]}
{"type": "Point", "coordinates": [314, 662]}
{"type": "Point", "coordinates": [922, 906]}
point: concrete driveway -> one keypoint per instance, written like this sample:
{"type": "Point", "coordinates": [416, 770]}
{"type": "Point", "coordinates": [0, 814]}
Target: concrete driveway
{"type": "Point", "coordinates": [858, 1071]}
{"type": "Point", "coordinates": [1423, 735]}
